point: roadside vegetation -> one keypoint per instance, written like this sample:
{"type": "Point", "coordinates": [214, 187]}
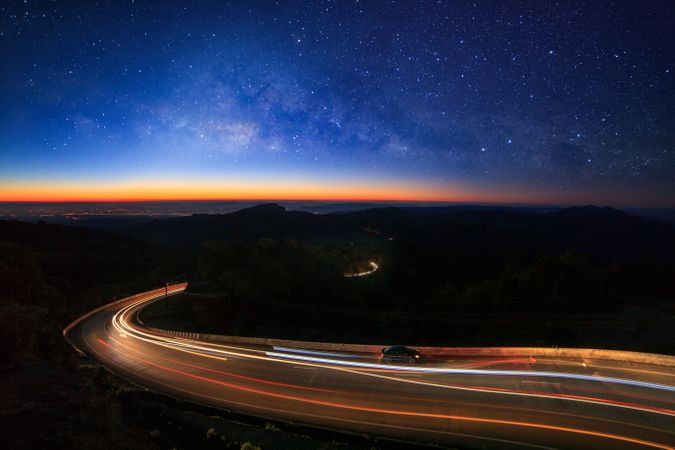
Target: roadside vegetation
{"type": "Point", "coordinates": [51, 274]}
{"type": "Point", "coordinates": [567, 300]}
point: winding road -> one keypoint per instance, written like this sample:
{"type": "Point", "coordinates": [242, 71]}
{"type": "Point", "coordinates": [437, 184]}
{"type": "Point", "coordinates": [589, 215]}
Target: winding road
{"type": "Point", "coordinates": [466, 402]}
{"type": "Point", "coordinates": [373, 268]}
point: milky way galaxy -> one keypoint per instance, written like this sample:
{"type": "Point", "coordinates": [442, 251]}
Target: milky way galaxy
{"type": "Point", "coordinates": [529, 102]}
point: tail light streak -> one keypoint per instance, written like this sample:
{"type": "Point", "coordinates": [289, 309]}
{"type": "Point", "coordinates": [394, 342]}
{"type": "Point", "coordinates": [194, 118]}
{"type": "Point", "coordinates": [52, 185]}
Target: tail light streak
{"type": "Point", "coordinates": [404, 412]}
{"type": "Point", "coordinates": [121, 323]}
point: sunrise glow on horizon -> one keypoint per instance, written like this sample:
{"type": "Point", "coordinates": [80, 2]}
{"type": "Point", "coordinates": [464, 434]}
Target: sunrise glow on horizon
{"type": "Point", "coordinates": [306, 190]}
{"type": "Point", "coordinates": [222, 190]}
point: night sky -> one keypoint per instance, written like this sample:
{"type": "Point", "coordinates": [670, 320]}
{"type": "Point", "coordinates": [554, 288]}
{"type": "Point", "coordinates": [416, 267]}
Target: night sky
{"type": "Point", "coordinates": [528, 102]}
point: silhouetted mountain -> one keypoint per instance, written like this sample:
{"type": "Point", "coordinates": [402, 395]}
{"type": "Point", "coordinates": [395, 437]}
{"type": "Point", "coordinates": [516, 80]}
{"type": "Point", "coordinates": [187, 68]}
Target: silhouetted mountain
{"type": "Point", "coordinates": [595, 215]}
{"type": "Point", "coordinates": [661, 214]}
{"type": "Point", "coordinates": [332, 208]}
{"type": "Point", "coordinates": [266, 210]}
{"type": "Point", "coordinates": [611, 233]}
{"type": "Point", "coordinates": [387, 215]}
{"type": "Point", "coordinates": [482, 236]}
{"type": "Point", "coordinates": [475, 208]}
{"type": "Point", "coordinates": [268, 220]}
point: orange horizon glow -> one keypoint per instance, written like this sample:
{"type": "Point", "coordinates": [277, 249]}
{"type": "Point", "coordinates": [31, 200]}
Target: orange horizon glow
{"type": "Point", "coordinates": [276, 195]}
{"type": "Point", "coordinates": [54, 197]}
{"type": "Point", "coordinates": [212, 191]}
{"type": "Point", "coordinates": [163, 190]}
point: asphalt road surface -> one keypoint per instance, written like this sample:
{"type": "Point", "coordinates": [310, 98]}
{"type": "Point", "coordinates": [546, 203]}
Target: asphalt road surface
{"type": "Point", "coordinates": [504, 402]}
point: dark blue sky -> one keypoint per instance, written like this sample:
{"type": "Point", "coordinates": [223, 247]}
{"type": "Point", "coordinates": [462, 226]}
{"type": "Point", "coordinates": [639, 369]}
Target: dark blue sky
{"type": "Point", "coordinates": [495, 101]}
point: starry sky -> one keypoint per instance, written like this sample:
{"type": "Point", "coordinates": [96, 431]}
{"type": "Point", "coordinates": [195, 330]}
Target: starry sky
{"type": "Point", "coordinates": [479, 101]}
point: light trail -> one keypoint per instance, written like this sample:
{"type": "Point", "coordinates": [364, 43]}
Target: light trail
{"type": "Point", "coordinates": [479, 371]}
{"type": "Point", "coordinates": [313, 352]}
{"type": "Point", "coordinates": [408, 413]}
{"type": "Point", "coordinates": [182, 344]}
{"type": "Point", "coordinates": [373, 268]}
{"type": "Point", "coordinates": [123, 320]}
{"type": "Point", "coordinates": [578, 398]}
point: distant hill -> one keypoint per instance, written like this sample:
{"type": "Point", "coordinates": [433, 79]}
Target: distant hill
{"type": "Point", "coordinates": [331, 208]}
{"type": "Point", "coordinates": [266, 220]}
{"type": "Point", "coordinates": [480, 233]}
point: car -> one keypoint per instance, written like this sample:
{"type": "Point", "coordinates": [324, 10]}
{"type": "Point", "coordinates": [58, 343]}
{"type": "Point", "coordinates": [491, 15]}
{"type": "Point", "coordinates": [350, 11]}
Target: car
{"type": "Point", "coordinates": [400, 353]}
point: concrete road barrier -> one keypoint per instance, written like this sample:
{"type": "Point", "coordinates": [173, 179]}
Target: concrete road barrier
{"type": "Point", "coordinates": [581, 353]}
{"type": "Point", "coordinates": [545, 352]}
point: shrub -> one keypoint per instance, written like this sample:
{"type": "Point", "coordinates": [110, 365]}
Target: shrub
{"type": "Point", "coordinates": [249, 446]}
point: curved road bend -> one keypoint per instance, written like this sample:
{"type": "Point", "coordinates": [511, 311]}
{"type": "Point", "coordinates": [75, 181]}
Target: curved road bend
{"type": "Point", "coordinates": [373, 268]}
{"type": "Point", "coordinates": [465, 402]}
